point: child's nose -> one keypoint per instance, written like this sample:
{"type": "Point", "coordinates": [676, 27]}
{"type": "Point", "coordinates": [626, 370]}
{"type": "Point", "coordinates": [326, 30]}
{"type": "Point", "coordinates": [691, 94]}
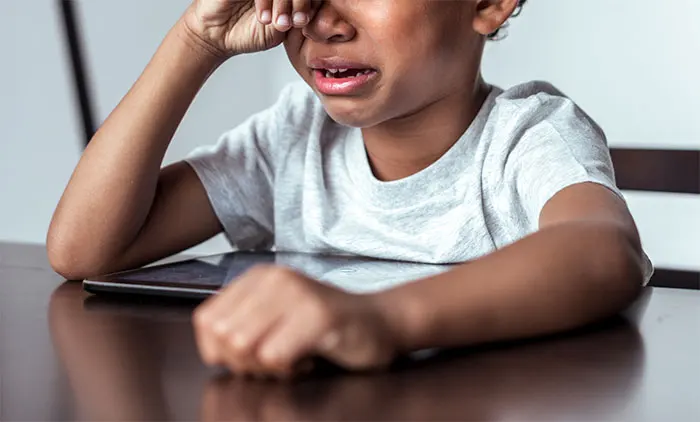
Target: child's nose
{"type": "Point", "coordinates": [328, 25]}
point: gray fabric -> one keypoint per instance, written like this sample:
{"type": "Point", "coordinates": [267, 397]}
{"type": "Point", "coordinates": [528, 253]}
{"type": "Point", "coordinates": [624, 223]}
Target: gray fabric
{"type": "Point", "coordinates": [291, 178]}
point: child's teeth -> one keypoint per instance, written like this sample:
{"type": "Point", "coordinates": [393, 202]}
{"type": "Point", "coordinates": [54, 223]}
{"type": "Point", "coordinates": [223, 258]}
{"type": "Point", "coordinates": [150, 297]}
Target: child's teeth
{"type": "Point", "coordinates": [333, 73]}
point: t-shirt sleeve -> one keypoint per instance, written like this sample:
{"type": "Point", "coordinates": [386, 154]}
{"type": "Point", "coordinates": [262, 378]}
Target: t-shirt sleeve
{"type": "Point", "coordinates": [238, 174]}
{"type": "Point", "coordinates": [555, 147]}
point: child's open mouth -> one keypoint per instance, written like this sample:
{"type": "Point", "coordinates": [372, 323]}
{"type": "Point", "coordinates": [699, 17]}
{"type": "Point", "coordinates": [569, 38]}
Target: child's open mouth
{"type": "Point", "coordinates": [345, 73]}
{"type": "Point", "coordinates": [342, 81]}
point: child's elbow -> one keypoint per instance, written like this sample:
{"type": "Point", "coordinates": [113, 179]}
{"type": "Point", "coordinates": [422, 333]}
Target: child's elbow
{"type": "Point", "coordinates": [65, 265]}
{"type": "Point", "coordinates": [627, 271]}
{"type": "Point", "coordinates": [67, 259]}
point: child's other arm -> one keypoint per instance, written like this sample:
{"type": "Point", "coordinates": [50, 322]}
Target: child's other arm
{"type": "Point", "coordinates": [119, 209]}
{"type": "Point", "coordinates": [584, 264]}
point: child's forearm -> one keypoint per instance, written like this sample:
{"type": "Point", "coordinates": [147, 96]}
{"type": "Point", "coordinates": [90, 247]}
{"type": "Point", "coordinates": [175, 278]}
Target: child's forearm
{"type": "Point", "coordinates": [112, 188]}
{"type": "Point", "coordinates": [560, 278]}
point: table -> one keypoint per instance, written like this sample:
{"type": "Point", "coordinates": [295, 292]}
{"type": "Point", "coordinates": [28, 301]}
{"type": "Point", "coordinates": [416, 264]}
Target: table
{"type": "Point", "coordinates": [64, 356]}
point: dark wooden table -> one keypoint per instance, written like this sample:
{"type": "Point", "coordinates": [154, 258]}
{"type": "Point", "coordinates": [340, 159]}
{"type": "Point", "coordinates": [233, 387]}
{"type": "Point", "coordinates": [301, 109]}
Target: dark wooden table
{"type": "Point", "coordinates": [64, 355]}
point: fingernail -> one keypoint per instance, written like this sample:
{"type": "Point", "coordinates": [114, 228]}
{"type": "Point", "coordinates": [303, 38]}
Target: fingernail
{"type": "Point", "coordinates": [266, 17]}
{"type": "Point", "coordinates": [300, 18]}
{"type": "Point", "coordinates": [283, 20]}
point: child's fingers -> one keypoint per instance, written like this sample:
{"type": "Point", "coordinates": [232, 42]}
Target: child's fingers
{"type": "Point", "coordinates": [208, 317]}
{"type": "Point", "coordinates": [247, 326]}
{"type": "Point", "coordinates": [301, 12]}
{"type": "Point", "coordinates": [294, 338]}
{"type": "Point", "coordinates": [207, 343]}
{"type": "Point", "coordinates": [315, 6]}
{"type": "Point", "coordinates": [263, 9]}
{"type": "Point", "coordinates": [282, 15]}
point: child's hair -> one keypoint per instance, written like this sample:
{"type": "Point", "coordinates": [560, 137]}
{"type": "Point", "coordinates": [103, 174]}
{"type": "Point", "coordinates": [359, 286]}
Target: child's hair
{"type": "Point", "coordinates": [502, 32]}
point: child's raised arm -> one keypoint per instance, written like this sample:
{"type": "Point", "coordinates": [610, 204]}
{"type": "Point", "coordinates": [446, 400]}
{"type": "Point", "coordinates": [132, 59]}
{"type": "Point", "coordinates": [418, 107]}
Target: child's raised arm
{"type": "Point", "coordinates": [120, 210]}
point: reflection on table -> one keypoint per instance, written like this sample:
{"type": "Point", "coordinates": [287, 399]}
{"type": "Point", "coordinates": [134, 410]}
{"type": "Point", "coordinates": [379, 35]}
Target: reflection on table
{"type": "Point", "coordinates": [135, 360]}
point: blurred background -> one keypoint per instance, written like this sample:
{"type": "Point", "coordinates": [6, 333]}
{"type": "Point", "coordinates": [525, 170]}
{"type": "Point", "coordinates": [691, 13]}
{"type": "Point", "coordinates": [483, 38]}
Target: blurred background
{"type": "Point", "coordinates": [631, 64]}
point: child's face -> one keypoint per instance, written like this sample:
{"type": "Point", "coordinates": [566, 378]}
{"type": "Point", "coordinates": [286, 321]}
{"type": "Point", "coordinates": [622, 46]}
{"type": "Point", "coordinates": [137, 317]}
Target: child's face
{"type": "Point", "coordinates": [416, 52]}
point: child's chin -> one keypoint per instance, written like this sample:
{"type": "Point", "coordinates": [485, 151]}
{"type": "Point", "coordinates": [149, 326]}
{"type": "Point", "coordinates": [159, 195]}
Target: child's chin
{"type": "Point", "coordinates": [351, 118]}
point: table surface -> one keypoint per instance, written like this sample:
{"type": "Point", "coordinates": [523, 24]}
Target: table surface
{"type": "Point", "coordinates": [65, 355]}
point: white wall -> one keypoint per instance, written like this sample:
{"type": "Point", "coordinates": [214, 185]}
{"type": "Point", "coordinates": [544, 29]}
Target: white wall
{"type": "Point", "coordinates": [632, 63]}
{"type": "Point", "coordinates": [39, 129]}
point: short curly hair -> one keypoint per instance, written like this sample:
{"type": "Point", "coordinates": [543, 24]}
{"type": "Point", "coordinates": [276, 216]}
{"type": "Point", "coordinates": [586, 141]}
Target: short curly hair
{"type": "Point", "coordinates": [502, 32]}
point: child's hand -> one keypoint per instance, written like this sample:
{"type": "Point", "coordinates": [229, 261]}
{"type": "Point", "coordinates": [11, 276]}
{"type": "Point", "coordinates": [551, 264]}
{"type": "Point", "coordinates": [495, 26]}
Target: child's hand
{"type": "Point", "coordinates": [231, 27]}
{"type": "Point", "coordinates": [273, 318]}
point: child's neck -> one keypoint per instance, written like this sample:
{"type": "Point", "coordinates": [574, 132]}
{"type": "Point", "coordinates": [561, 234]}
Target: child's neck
{"type": "Point", "coordinates": [402, 147]}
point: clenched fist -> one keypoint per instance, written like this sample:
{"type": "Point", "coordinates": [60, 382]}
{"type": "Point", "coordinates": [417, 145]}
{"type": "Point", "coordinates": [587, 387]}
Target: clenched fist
{"type": "Point", "coordinates": [273, 319]}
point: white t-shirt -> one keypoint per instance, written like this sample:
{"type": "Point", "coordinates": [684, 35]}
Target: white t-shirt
{"type": "Point", "coordinates": [293, 179]}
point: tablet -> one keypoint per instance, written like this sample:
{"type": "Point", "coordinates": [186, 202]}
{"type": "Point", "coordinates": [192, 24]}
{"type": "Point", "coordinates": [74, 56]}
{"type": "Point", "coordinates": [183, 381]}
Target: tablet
{"type": "Point", "coordinates": [202, 277]}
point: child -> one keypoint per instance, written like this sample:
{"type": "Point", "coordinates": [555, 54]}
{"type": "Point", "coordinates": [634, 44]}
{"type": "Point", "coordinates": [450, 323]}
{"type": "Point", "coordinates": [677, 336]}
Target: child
{"type": "Point", "coordinates": [398, 150]}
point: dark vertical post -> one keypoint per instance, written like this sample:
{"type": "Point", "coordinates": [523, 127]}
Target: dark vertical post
{"type": "Point", "coordinates": [74, 45]}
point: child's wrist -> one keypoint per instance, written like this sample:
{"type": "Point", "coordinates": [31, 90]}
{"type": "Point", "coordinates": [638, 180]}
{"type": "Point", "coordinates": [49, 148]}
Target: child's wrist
{"type": "Point", "coordinates": [403, 317]}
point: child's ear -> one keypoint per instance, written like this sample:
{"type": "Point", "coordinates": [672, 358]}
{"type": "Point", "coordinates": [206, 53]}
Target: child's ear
{"type": "Point", "coordinates": [492, 14]}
